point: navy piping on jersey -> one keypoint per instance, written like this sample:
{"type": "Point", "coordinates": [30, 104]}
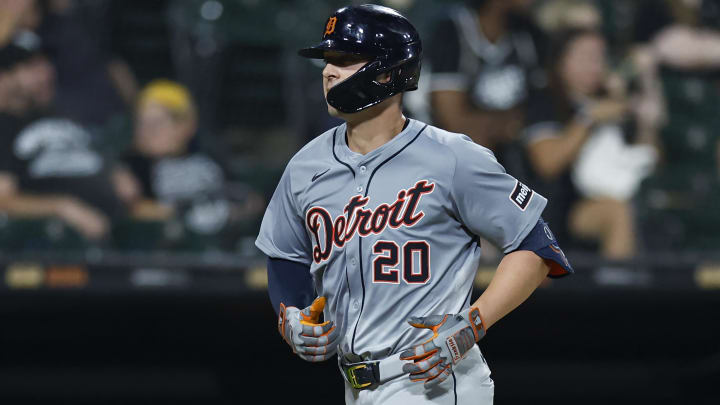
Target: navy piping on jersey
{"type": "Point", "coordinates": [347, 278]}
{"type": "Point", "coordinates": [454, 386]}
{"type": "Point", "coordinates": [335, 155]}
{"type": "Point", "coordinates": [347, 282]}
{"type": "Point", "coordinates": [467, 299]}
{"type": "Point", "coordinates": [362, 278]}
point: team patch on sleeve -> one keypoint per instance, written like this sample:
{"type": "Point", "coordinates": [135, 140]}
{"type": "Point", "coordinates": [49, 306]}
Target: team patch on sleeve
{"type": "Point", "coordinates": [521, 195]}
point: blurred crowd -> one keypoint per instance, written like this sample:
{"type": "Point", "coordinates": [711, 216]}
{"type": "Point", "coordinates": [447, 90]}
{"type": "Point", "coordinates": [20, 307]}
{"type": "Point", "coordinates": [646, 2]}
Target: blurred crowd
{"type": "Point", "coordinates": [58, 85]}
{"type": "Point", "coordinates": [165, 124]}
{"type": "Point", "coordinates": [571, 109]}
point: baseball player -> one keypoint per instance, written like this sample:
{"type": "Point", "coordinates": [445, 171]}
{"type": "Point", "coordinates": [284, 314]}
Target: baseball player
{"type": "Point", "coordinates": [378, 222]}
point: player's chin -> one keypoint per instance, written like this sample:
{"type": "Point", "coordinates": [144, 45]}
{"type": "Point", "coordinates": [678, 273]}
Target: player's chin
{"type": "Point", "coordinates": [333, 111]}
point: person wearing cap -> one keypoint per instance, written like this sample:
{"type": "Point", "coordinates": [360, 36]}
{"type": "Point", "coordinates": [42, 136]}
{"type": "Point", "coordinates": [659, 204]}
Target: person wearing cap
{"type": "Point", "coordinates": [48, 165]}
{"type": "Point", "coordinates": [11, 98]}
{"type": "Point", "coordinates": [165, 175]}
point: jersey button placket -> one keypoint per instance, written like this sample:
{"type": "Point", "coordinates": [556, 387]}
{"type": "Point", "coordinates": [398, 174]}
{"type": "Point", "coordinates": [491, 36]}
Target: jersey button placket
{"type": "Point", "coordinates": [363, 171]}
{"type": "Point", "coordinates": [354, 305]}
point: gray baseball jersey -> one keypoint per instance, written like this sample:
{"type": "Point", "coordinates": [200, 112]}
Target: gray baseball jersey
{"type": "Point", "coordinates": [395, 232]}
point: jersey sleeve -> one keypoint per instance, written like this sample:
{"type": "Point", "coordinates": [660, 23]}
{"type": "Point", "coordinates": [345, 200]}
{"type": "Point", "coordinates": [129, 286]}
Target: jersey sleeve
{"type": "Point", "coordinates": [490, 202]}
{"type": "Point", "coordinates": [542, 241]}
{"type": "Point", "coordinates": [282, 233]}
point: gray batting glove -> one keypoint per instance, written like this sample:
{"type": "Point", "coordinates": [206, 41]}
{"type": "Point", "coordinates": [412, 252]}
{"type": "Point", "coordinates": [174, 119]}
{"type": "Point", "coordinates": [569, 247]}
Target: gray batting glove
{"type": "Point", "coordinates": [453, 337]}
{"type": "Point", "coordinates": [310, 340]}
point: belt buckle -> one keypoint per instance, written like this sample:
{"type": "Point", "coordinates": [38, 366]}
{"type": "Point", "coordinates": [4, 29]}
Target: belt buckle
{"type": "Point", "coordinates": [350, 372]}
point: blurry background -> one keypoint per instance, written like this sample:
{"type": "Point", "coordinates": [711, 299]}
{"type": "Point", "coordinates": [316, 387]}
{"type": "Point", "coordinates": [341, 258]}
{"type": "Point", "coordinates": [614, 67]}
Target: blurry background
{"type": "Point", "coordinates": [141, 141]}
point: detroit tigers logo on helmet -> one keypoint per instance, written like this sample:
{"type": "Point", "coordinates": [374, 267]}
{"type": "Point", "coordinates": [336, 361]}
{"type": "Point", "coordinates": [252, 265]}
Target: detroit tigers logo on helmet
{"type": "Point", "coordinates": [330, 26]}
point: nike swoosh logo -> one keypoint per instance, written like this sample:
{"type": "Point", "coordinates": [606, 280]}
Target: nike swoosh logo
{"type": "Point", "coordinates": [317, 175]}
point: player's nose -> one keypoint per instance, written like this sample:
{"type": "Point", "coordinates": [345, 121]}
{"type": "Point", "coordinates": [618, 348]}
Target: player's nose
{"type": "Point", "coordinates": [330, 71]}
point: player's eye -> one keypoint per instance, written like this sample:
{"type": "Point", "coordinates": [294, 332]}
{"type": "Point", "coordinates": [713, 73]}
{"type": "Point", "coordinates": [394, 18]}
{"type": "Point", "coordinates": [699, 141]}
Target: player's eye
{"type": "Point", "coordinates": [344, 59]}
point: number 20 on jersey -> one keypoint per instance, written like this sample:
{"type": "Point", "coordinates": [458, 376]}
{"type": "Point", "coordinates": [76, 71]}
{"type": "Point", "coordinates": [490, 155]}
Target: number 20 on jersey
{"type": "Point", "coordinates": [415, 262]}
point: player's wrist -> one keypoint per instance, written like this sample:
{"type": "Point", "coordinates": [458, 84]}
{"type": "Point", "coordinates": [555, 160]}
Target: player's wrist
{"type": "Point", "coordinates": [474, 318]}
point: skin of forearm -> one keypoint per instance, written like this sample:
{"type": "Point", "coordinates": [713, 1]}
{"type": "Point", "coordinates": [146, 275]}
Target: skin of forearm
{"type": "Point", "coordinates": [8, 23]}
{"type": "Point", "coordinates": [453, 113]}
{"type": "Point", "coordinates": [123, 80]}
{"type": "Point", "coordinates": [689, 48]}
{"type": "Point", "coordinates": [6, 28]}
{"type": "Point", "coordinates": [466, 121]}
{"type": "Point", "coordinates": [651, 95]}
{"type": "Point", "coordinates": [711, 48]}
{"type": "Point", "coordinates": [31, 206]}
{"type": "Point", "coordinates": [151, 209]}
{"type": "Point", "coordinates": [551, 156]}
{"type": "Point", "coordinates": [478, 125]}
{"type": "Point", "coordinates": [517, 276]}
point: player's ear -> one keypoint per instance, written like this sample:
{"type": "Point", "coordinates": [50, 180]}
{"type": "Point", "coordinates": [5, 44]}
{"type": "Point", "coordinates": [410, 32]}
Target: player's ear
{"type": "Point", "coordinates": [384, 77]}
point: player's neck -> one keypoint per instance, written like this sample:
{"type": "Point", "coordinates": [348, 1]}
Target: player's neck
{"type": "Point", "coordinates": [374, 128]}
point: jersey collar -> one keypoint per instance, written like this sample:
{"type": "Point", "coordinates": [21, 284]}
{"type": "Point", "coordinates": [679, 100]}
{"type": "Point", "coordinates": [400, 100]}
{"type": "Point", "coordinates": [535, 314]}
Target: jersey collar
{"type": "Point", "coordinates": [376, 156]}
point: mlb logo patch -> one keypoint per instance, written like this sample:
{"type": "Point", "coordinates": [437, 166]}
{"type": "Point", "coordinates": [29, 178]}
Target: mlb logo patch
{"type": "Point", "coordinates": [521, 195]}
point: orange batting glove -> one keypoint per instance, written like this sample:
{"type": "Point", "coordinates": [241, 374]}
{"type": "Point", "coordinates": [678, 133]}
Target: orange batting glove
{"type": "Point", "coordinates": [309, 339]}
{"type": "Point", "coordinates": [453, 336]}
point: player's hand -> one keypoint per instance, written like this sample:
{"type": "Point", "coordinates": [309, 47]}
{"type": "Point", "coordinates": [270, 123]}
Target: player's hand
{"type": "Point", "coordinates": [310, 340]}
{"type": "Point", "coordinates": [453, 336]}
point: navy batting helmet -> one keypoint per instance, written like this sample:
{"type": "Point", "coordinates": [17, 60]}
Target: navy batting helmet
{"type": "Point", "coordinates": [382, 35]}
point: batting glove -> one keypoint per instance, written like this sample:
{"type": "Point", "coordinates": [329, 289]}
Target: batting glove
{"type": "Point", "coordinates": [310, 340]}
{"type": "Point", "coordinates": [453, 336]}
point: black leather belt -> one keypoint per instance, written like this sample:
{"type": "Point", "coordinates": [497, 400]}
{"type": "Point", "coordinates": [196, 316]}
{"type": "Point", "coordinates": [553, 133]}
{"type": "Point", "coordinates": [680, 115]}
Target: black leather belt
{"type": "Point", "coordinates": [361, 375]}
{"type": "Point", "coordinates": [365, 374]}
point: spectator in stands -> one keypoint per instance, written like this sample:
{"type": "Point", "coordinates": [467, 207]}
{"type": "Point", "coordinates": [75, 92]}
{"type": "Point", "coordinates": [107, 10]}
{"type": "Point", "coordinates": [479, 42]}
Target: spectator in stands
{"type": "Point", "coordinates": [17, 15]}
{"type": "Point", "coordinates": [486, 57]}
{"type": "Point", "coordinates": [12, 101]}
{"type": "Point", "coordinates": [684, 35]}
{"type": "Point", "coordinates": [636, 76]}
{"type": "Point", "coordinates": [48, 167]}
{"type": "Point", "coordinates": [165, 175]}
{"type": "Point", "coordinates": [576, 144]}
{"type": "Point", "coordinates": [93, 85]}
{"type": "Point", "coordinates": [558, 15]}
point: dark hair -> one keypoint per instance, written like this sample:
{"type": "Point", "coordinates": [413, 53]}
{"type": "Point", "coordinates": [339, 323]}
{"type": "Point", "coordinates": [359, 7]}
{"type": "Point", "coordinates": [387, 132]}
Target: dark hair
{"type": "Point", "coordinates": [562, 40]}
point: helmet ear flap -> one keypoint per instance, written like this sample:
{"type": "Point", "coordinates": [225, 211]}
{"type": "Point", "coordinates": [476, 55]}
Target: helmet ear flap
{"type": "Point", "coordinates": [396, 79]}
{"type": "Point", "coordinates": [397, 72]}
{"type": "Point", "coordinates": [408, 76]}
{"type": "Point", "coordinates": [391, 78]}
